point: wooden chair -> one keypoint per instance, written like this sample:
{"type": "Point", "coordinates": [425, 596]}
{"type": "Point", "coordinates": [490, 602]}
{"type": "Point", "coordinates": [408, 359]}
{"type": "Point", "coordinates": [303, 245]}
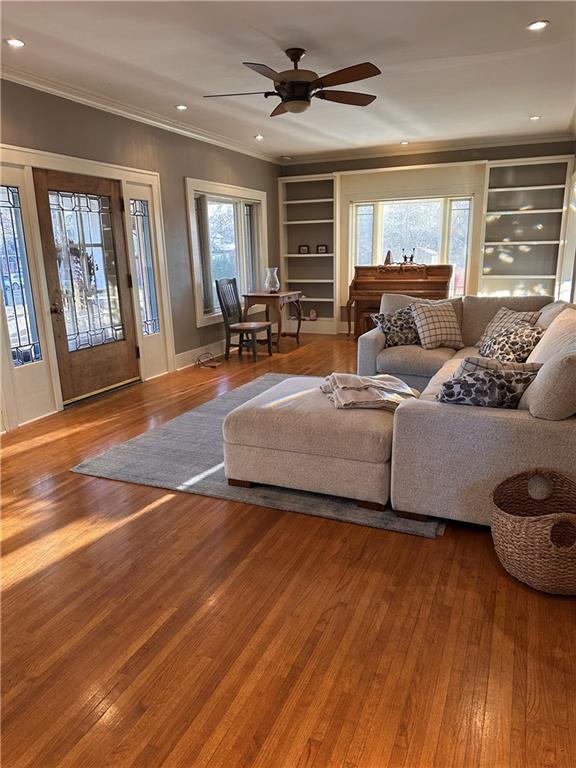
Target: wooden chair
{"type": "Point", "coordinates": [229, 301]}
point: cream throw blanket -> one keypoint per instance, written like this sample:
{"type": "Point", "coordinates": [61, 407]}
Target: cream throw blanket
{"type": "Point", "coordinates": [346, 390]}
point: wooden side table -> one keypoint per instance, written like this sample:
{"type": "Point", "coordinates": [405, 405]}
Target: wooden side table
{"type": "Point", "coordinates": [276, 301]}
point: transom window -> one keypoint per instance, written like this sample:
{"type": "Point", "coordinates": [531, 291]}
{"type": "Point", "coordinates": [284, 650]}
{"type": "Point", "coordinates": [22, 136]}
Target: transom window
{"type": "Point", "coordinates": [432, 230]}
{"type": "Point", "coordinates": [16, 286]}
{"type": "Point", "coordinates": [228, 241]}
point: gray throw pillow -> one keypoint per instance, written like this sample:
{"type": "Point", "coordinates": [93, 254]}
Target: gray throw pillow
{"type": "Point", "coordinates": [504, 319]}
{"type": "Point", "coordinates": [552, 396]}
{"type": "Point", "coordinates": [398, 327]}
{"type": "Point", "coordinates": [513, 345]}
{"type": "Point", "coordinates": [490, 389]}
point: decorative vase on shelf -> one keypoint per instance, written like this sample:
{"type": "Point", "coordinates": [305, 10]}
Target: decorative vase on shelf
{"type": "Point", "coordinates": [271, 283]}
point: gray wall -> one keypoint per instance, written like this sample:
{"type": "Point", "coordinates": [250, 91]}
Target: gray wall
{"type": "Point", "coordinates": [445, 156]}
{"type": "Point", "coordinates": [38, 120]}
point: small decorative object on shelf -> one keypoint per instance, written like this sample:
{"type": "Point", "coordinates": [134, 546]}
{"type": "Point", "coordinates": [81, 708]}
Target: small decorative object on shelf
{"type": "Point", "coordinates": [534, 529]}
{"type": "Point", "coordinates": [272, 283]}
{"type": "Point", "coordinates": [303, 249]}
{"type": "Point", "coordinates": [388, 259]}
{"type": "Point", "coordinates": [321, 249]}
{"type": "Point", "coordinates": [313, 315]}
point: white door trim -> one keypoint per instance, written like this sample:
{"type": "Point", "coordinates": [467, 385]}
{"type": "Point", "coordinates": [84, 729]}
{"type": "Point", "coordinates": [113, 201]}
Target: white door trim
{"type": "Point", "coordinates": [24, 160]}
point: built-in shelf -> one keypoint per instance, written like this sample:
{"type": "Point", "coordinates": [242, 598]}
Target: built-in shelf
{"type": "Point", "coordinates": [306, 280]}
{"type": "Point", "coordinates": [515, 213]}
{"type": "Point", "coordinates": [308, 255]}
{"type": "Point", "coordinates": [310, 200]}
{"type": "Point", "coordinates": [526, 189]}
{"type": "Point", "coordinates": [521, 242]}
{"type": "Point", "coordinates": [311, 221]}
{"type": "Point", "coordinates": [519, 277]}
{"type": "Point", "coordinates": [308, 298]}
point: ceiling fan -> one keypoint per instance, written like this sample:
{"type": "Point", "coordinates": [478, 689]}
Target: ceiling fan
{"type": "Point", "coordinates": [297, 87]}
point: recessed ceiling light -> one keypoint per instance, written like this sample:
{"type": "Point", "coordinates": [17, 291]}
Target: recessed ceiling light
{"type": "Point", "coordinates": [404, 143]}
{"type": "Point", "coordinates": [181, 107]}
{"type": "Point", "coordinates": [287, 157]}
{"type": "Point", "coordinates": [13, 42]}
{"type": "Point", "coordinates": [259, 137]}
{"type": "Point", "coordinates": [535, 117]}
{"type": "Point", "coordinates": [537, 26]}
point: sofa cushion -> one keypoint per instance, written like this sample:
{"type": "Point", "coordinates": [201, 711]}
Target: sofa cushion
{"type": "Point", "coordinates": [552, 395]}
{"type": "Point", "coordinates": [296, 416]}
{"type": "Point", "coordinates": [437, 325]}
{"type": "Point", "coordinates": [412, 360]}
{"type": "Point", "coordinates": [559, 338]}
{"type": "Point", "coordinates": [486, 388]}
{"type": "Point", "coordinates": [551, 311]}
{"type": "Point", "coordinates": [503, 320]}
{"type": "Point", "coordinates": [479, 310]}
{"type": "Point", "coordinates": [512, 345]}
{"type": "Point", "coordinates": [391, 302]}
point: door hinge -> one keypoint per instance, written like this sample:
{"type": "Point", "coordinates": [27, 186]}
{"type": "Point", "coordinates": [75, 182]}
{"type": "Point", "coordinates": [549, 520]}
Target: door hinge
{"type": "Point", "coordinates": [130, 283]}
{"type": "Point", "coordinates": [137, 352]}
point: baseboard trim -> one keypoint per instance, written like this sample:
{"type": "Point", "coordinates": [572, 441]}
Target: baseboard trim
{"type": "Point", "coordinates": [188, 358]}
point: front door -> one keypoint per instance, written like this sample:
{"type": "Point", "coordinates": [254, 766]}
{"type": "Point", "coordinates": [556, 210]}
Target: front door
{"type": "Point", "coordinates": [82, 229]}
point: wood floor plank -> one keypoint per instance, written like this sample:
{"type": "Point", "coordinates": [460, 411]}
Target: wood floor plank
{"type": "Point", "coordinates": [150, 628]}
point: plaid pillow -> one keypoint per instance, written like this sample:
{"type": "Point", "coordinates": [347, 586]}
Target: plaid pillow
{"type": "Point", "coordinates": [437, 325]}
{"type": "Point", "coordinates": [399, 327]}
{"type": "Point", "coordinates": [477, 364]}
{"type": "Point", "coordinates": [506, 318]}
{"type": "Point", "coordinates": [513, 345]}
{"type": "Point", "coordinates": [491, 389]}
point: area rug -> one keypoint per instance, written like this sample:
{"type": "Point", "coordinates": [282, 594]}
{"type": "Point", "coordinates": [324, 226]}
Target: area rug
{"type": "Point", "coordinates": [186, 454]}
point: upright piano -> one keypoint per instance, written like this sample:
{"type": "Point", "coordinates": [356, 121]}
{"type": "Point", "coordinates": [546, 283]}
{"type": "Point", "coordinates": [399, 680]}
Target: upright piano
{"type": "Point", "coordinates": [424, 281]}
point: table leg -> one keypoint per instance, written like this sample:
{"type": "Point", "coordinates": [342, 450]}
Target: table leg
{"type": "Point", "coordinates": [298, 304]}
{"type": "Point", "coordinates": [349, 314]}
{"type": "Point", "coordinates": [245, 313]}
{"type": "Point", "coordinates": [279, 309]}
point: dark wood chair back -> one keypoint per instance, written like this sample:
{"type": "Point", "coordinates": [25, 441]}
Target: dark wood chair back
{"type": "Point", "coordinates": [229, 300]}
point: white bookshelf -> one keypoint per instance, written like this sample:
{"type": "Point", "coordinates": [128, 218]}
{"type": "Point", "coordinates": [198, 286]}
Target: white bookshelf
{"type": "Point", "coordinates": [524, 224]}
{"type": "Point", "coordinates": [308, 217]}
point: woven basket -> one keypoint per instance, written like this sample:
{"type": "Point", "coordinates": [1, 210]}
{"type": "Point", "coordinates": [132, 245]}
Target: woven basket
{"type": "Point", "coordinates": [534, 530]}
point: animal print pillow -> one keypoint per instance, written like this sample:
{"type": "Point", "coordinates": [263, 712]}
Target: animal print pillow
{"type": "Point", "coordinates": [505, 319]}
{"type": "Point", "coordinates": [398, 327]}
{"type": "Point", "coordinates": [490, 389]}
{"type": "Point", "coordinates": [513, 345]}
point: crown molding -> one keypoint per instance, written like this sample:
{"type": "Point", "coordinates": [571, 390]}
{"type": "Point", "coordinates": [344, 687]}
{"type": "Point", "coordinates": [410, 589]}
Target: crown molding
{"type": "Point", "coordinates": [424, 148]}
{"type": "Point", "coordinates": [90, 99]}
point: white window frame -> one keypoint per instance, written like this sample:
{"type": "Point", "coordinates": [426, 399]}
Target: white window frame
{"type": "Point", "coordinates": [234, 194]}
{"type": "Point", "coordinates": [377, 257]}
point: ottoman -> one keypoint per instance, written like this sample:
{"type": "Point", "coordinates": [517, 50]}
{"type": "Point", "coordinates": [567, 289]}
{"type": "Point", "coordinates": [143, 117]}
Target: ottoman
{"type": "Point", "coordinates": [293, 436]}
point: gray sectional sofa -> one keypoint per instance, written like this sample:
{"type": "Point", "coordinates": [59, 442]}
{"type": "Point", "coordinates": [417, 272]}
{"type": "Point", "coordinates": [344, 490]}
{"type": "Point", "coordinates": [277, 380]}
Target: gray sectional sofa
{"type": "Point", "coordinates": [447, 459]}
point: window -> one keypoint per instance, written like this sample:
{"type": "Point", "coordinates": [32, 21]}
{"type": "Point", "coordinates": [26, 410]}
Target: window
{"type": "Point", "coordinates": [142, 241]}
{"type": "Point", "coordinates": [16, 286]}
{"type": "Point", "coordinates": [433, 230]}
{"type": "Point", "coordinates": [228, 241]}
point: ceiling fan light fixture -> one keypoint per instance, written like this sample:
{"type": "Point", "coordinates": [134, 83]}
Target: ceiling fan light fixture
{"type": "Point", "coordinates": [296, 106]}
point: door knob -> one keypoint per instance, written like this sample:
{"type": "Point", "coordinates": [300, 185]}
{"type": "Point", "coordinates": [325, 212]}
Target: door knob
{"type": "Point", "coordinates": [55, 310]}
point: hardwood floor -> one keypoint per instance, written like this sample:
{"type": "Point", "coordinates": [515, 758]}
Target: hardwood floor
{"type": "Point", "coordinates": [148, 628]}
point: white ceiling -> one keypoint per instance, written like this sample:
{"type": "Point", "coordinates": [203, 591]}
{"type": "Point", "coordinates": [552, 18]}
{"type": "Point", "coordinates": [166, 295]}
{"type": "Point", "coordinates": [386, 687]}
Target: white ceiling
{"type": "Point", "coordinates": [452, 72]}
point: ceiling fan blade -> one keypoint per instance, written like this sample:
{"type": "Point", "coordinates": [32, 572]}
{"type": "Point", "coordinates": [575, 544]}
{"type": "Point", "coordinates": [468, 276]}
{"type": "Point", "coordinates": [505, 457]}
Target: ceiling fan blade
{"type": "Point", "coordinates": [246, 93]}
{"type": "Point", "coordinates": [262, 69]}
{"type": "Point", "coordinates": [346, 97]}
{"type": "Point", "coordinates": [347, 75]}
{"type": "Point", "coordinates": [280, 109]}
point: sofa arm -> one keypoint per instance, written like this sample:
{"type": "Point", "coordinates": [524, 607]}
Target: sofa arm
{"type": "Point", "coordinates": [447, 459]}
{"type": "Point", "coordinates": [369, 346]}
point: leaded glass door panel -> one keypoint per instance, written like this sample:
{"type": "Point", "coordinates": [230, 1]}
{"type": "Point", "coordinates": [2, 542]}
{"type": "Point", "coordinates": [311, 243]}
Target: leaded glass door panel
{"type": "Point", "coordinates": [83, 241]}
